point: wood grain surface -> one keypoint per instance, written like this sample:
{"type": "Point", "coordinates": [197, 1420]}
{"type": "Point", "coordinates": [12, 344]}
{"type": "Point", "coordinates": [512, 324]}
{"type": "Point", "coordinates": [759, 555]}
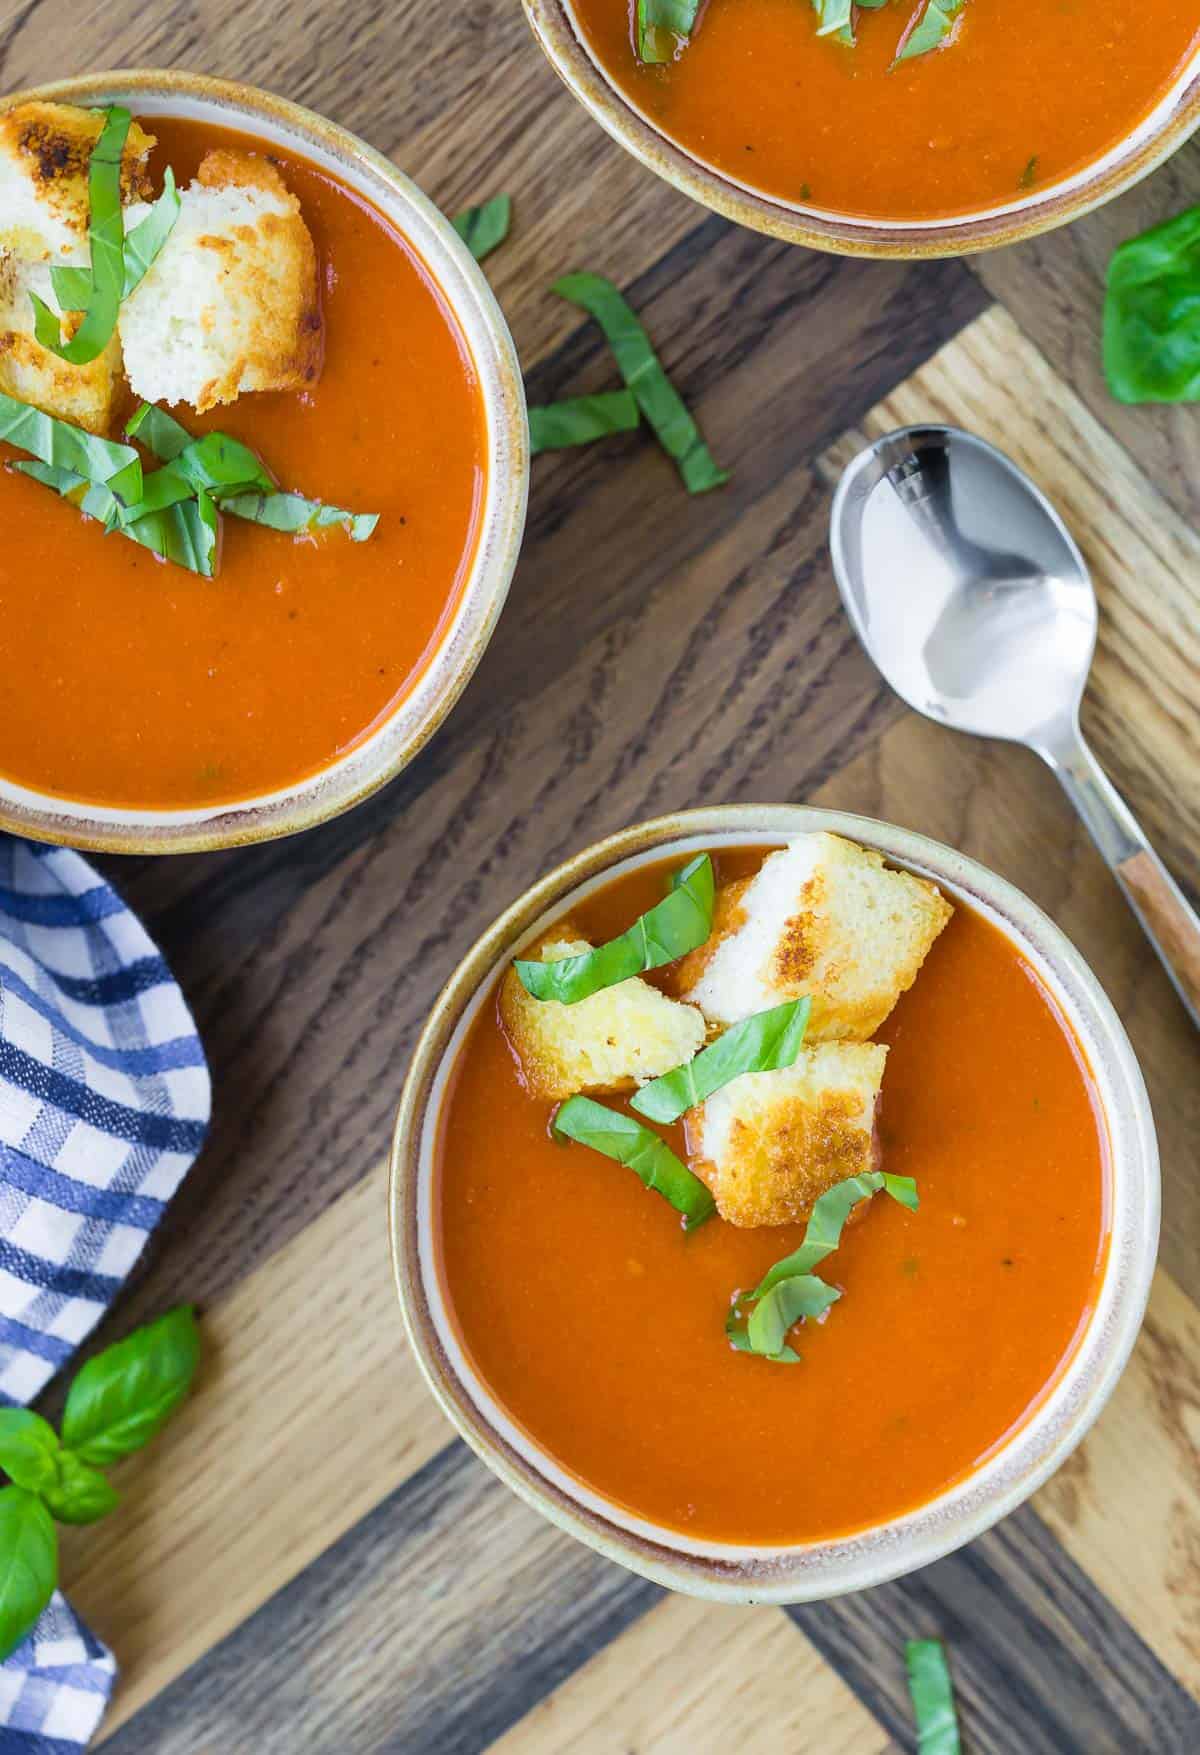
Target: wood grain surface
{"type": "Point", "coordinates": [307, 1561]}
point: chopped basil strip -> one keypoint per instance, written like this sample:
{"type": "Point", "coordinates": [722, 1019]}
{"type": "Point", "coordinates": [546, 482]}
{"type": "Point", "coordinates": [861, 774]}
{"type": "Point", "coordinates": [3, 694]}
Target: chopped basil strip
{"type": "Point", "coordinates": [67, 447]}
{"type": "Point", "coordinates": [482, 228]}
{"type": "Point", "coordinates": [73, 286]}
{"type": "Point", "coordinates": [179, 533]}
{"type": "Point", "coordinates": [620, 1137]}
{"type": "Point", "coordinates": [823, 1233]}
{"type": "Point", "coordinates": [763, 1043]}
{"type": "Point", "coordinates": [662, 25]}
{"type": "Point", "coordinates": [580, 419]}
{"type": "Point", "coordinates": [931, 29]}
{"type": "Point", "coordinates": [106, 237]}
{"type": "Point", "coordinates": [804, 1295]}
{"type": "Point", "coordinates": [158, 431]}
{"type": "Point", "coordinates": [835, 18]}
{"type": "Point", "coordinates": [681, 922]}
{"type": "Point", "coordinates": [642, 371]}
{"type": "Point", "coordinates": [293, 515]}
{"type": "Point", "coordinates": [932, 1697]}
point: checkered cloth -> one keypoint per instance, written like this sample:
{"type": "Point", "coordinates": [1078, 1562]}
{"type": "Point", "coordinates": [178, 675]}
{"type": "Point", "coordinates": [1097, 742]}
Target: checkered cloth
{"type": "Point", "coordinates": [104, 1102]}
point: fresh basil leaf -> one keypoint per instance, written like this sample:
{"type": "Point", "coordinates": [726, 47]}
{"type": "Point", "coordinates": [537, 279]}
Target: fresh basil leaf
{"type": "Point", "coordinates": [736, 1333]}
{"type": "Point", "coordinates": [823, 1232]}
{"type": "Point", "coordinates": [80, 1493]}
{"type": "Point", "coordinates": [293, 515]}
{"type": "Point", "coordinates": [28, 1449]}
{"type": "Point", "coordinates": [217, 464]}
{"type": "Point", "coordinates": [176, 534]}
{"type": "Point", "coordinates": [642, 371]}
{"type": "Point", "coordinates": [67, 447]}
{"type": "Point", "coordinates": [577, 421]}
{"type": "Point", "coordinates": [619, 1136]}
{"type": "Point", "coordinates": [1152, 314]}
{"type": "Point", "coordinates": [106, 238]}
{"type": "Point", "coordinates": [763, 1043]}
{"type": "Point", "coordinates": [902, 1189]}
{"type": "Point", "coordinates": [835, 18]}
{"type": "Point", "coordinates": [73, 286]}
{"type": "Point", "coordinates": [126, 1394]}
{"type": "Point", "coordinates": [932, 1697]}
{"type": "Point", "coordinates": [28, 1565]}
{"type": "Point", "coordinates": [804, 1295]}
{"type": "Point", "coordinates": [158, 431]}
{"type": "Point", "coordinates": [679, 923]}
{"type": "Point", "coordinates": [483, 228]}
{"type": "Point", "coordinates": [663, 26]}
{"type": "Point", "coordinates": [936, 22]}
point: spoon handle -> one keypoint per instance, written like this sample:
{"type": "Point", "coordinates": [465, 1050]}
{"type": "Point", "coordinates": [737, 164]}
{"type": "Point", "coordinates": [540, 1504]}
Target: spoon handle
{"type": "Point", "coordinates": [1168, 918]}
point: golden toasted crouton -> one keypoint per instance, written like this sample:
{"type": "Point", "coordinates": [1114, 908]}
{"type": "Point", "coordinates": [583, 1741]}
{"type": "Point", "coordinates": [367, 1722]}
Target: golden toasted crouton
{"type": "Point", "coordinates": [44, 155]}
{"type": "Point", "coordinates": [86, 396]}
{"type": "Point", "coordinates": [822, 917]}
{"type": "Point", "coordinates": [231, 304]}
{"type": "Point", "coordinates": [769, 1144]}
{"type": "Point", "coordinates": [613, 1041]}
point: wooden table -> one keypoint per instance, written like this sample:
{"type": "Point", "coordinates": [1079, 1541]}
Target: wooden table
{"type": "Point", "coordinates": [308, 1561]}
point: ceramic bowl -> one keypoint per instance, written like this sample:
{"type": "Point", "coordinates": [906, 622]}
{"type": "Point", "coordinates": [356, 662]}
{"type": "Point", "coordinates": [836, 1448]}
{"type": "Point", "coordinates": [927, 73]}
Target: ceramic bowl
{"type": "Point", "coordinates": [1147, 145]}
{"type": "Point", "coordinates": [397, 739]}
{"type": "Point", "coordinates": [1017, 1467]}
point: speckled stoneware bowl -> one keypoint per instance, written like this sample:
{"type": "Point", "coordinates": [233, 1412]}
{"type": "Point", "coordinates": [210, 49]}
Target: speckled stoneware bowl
{"type": "Point", "coordinates": [397, 739]}
{"type": "Point", "coordinates": [1017, 1467]}
{"type": "Point", "coordinates": [1147, 145]}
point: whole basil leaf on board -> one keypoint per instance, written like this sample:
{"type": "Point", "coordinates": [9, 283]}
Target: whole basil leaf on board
{"type": "Point", "coordinates": [28, 1564]}
{"type": "Point", "coordinates": [126, 1394]}
{"type": "Point", "coordinates": [28, 1449]}
{"type": "Point", "coordinates": [932, 1694]}
{"type": "Point", "coordinates": [81, 1494]}
{"type": "Point", "coordinates": [553, 426]}
{"type": "Point", "coordinates": [1152, 314]}
{"type": "Point", "coordinates": [484, 227]}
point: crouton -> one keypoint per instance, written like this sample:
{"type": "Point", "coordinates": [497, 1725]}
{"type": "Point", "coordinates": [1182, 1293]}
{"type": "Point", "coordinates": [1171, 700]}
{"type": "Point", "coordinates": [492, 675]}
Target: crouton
{"type": "Point", "coordinates": [769, 1144]}
{"type": "Point", "coordinates": [44, 155]}
{"type": "Point", "coordinates": [86, 396]}
{"type": "Point", "coordinates": [613, 1041]}
{"type": "Point", "coordinates": [231, 303]}
{"type": "Point", "coordinates": [822, 917]}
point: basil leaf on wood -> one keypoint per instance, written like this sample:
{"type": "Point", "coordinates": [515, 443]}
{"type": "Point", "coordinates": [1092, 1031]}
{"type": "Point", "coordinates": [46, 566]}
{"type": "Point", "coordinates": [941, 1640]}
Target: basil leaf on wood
{"type": "Point", "coordinates": [554, 426]}
{"type": "Point", "coordinates": [763, 1043]}
{"type": "Point", "coordinates": [67, 447]}
{"type": "Point", "coordinates": [1152, 314]}
{"type": "Point", "coordinates": [483, 228]}
{"type": "Point", "coordinates": [937, 20]}
{"type": "Point", "coordinates": [126, 1394]}
{"type": "Point", "coordinates": [619, 1136]}
{"type": "Point", "coordinates": [73, 286]}
{"type": "Point", "coordinates": [679, 923]}
{"type": "Point", "coordinates": [293, 515]}
{"type": "Point", "coordinates": [662, 27]}
{"type": "Point", "coordinates": [28, 1565]}
{"type": "Point", "coordinates": [932, 1697]}
{"type": "Point", "coordinates": [28, 1449]}
{"type": "Point", "coordinates": [642, 371]}
{"type": "Point", "coordinates": [177, 533]}
{"type": "Point", "coordinates": [106, 240]}
{"type": "Point", "coordinates": [80, 1494]}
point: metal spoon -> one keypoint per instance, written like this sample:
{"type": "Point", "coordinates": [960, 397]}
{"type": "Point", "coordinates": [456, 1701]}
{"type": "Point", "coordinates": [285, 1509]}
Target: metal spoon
{"type": "Point", "coordinates": [966, 588]}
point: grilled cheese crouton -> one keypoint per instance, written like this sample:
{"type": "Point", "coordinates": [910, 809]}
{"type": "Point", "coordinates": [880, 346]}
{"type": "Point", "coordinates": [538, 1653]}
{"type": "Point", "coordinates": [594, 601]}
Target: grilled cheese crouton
{"type": "Point", "coordinates": [614, 1040]}
{"type": "Point", "coordinates": [769, 1144]}
{"type": "Point", "coordinates": [822, 917]}
{"type": "Point", "coordinates": [45, 150]}
{"type": "Point", "coordinates": [231, 303]}
{"type": "Point", "coordinates": [86, 396]}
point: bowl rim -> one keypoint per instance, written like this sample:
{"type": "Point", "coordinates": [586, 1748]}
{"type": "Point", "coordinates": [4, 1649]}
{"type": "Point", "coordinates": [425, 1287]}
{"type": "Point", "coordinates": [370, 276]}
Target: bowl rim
{"type": "Point", "coordinates": [459, 643]}
{"type": "Point", "coordinates": [1021, 1461]}
{"type": "Point", "coordinates": [846, 235]}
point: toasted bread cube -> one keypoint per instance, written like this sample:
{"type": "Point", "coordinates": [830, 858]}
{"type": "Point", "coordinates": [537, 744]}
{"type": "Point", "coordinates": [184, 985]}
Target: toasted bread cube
{"type": "Point", "coordinates": [45, 150]}
{"type": "Point", "coordinates": [822, 917]}
{"type": "Point", "coordinates": [613, 1041]}
{"type": "Point", "coordinates": [231, 302]}
{"type": "Point", "coordinates": [86, 396]}
{"type": "Point", "coordinates": [769, 1144]}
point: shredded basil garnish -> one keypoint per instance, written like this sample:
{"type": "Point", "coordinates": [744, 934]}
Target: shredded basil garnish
{"type": "Point", "coordinates": [681, 922]}
{"type": "Point", "coordinates": [179, 533]}
{"type": "Point", "coordinates": [292, 514]}
{"type": "Point", "coordinates": [662, 26]}
{"type": "Point", "coordinates": [642, 371]}
{"type": "Point", "coordinates": [482, 228]}
{"type": "Point", "coordinates": [931, 29]}
{"type": "Point", "coordinates": [66, 447]}
{"type": "Point", "coordinates": [553, 426]}
{"type": "Point", "coordinates": [622, 1138]}
{"type": "Point", "coordinates": [932, 1697]}
{"type": "Point", "coordinates": [766, 1042]}
{"type": "Point", "coordinates": [73, 286]}
{"type": "Point", "coordinates": [106, 238]}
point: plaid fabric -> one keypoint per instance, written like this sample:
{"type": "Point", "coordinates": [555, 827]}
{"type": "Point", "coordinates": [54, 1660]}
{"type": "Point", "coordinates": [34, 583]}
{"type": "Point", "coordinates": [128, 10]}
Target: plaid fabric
{"type": "Point", "coordinates": [104, 1102]}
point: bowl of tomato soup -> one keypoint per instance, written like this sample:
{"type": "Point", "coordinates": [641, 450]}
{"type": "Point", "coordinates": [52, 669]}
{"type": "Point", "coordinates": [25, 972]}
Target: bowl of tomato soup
{"type": "Point", "coordinates": [906, 129]}
{"type": "Point", "coordinates": [592, 1346]}
{"type": "Point", "coordinates": [145, 708]}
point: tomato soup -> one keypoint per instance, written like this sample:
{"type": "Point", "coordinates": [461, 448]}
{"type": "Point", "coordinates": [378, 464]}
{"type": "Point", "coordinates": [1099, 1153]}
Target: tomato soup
{"type": "Point", "coordinates": [599, 1324]}
{"type": "Point", "coordinates": [128, 681]}
{"type": "Point", "coordinates": [1019, 98]}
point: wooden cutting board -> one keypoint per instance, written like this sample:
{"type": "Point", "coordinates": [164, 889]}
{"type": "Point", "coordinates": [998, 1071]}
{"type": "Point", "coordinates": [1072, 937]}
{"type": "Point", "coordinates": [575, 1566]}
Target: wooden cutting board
{"type": "Point", "coordinates": [308, 1561]}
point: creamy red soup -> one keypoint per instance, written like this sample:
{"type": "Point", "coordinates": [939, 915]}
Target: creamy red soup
{"type": "Point", "coordinates": [598, 1324]}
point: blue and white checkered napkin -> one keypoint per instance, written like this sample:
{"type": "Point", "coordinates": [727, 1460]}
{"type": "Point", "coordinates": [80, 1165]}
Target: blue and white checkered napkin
{"type": "Point", "coordinates": [104, 1102]}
